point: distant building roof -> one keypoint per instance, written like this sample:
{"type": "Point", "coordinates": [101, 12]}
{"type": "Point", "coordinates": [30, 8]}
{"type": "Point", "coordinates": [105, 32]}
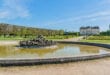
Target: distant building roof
{"type": "Point", "coordinates": [82, 27]}
{"type": "Point", "coordinates": [95, 27]}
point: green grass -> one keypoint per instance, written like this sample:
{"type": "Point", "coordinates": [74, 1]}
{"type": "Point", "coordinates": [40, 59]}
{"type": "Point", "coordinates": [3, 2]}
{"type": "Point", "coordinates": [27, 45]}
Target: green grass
{"type": "Point", "coordinates": [13, 38]}
{"type": "Point", "coordinates": [98, 38]}
{"type": "Point", "coordinates": [57, 37]}
{"type": "Point", "coordinates": [97, 41]}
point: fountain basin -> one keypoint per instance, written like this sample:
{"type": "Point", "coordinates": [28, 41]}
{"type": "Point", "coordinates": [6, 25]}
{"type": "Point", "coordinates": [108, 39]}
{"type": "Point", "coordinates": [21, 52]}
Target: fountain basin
{"type": "Point", "coordinates": [66, 52]}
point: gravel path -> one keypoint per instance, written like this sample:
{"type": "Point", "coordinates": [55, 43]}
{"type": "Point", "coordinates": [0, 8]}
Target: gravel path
{"type": "Point", "coordinates": [73, 39]}
{"type": "Point", "coordinates": [92, 67]}
{"type": "Point", "coordinates": [8, 42]}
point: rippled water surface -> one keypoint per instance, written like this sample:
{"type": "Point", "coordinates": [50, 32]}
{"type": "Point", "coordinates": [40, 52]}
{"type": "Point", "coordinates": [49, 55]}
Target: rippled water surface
{"type": "Point", "coordinates": [61, 50]}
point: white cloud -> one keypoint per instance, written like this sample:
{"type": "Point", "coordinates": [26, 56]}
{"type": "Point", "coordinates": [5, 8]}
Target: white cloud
{"type": "Point", "coordinates": [4, 14]}
{"type": "Point", "coordinates": [12, 9]}
{"type": "Point", "coordinates": [102, 15]}
{"type": "Point", "coordinates": [103, 2]}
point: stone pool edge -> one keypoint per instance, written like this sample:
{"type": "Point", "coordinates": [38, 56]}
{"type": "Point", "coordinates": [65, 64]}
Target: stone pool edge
{"type": "Point", "coordinates": [86, 43]}
{"type": "Point", "coordinates": [27, 62]}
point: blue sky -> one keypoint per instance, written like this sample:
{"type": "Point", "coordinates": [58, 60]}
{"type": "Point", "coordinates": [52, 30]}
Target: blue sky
{"type": "Point", "coordinates": [56, 14]}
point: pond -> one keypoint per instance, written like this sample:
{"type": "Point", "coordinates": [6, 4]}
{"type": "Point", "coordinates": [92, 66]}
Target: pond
{"type": "Point", "coordinates": [60, 50]}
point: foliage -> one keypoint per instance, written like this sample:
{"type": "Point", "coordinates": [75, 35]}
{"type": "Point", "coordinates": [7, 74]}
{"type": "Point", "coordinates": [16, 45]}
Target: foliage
{"type": "Point", "coordinates": [105, 33]}
{"type": "Point", "coordinates": [9, 30]}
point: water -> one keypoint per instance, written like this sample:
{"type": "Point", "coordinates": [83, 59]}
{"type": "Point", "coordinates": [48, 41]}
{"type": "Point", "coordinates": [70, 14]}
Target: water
{"type": "Point", "coordinates": [61, 50]}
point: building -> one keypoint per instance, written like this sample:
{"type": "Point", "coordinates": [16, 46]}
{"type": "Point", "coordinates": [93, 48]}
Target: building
{"type": "Point", "coordinates": [89, 30]}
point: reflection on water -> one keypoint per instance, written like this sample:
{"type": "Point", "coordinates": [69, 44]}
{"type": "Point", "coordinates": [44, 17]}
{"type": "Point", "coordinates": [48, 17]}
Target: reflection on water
{"type": "Point", "coordinates": [62, 50]}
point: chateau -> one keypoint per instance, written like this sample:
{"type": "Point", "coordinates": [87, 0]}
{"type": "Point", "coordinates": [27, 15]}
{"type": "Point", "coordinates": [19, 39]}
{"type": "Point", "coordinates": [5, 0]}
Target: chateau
{"type": "Point", "coordinates": [89, 30]}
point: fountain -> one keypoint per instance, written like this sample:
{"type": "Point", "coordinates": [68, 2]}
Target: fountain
{"type": "Point", "coordinates": [29, 52]}
{"type": "Point", "coordinates": [39, 41]}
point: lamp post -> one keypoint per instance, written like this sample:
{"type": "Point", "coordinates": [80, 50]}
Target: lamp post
{"type": "Point", "coordinates": [86, 32]}
{"type": "Point", "coordinates": [109, 30]}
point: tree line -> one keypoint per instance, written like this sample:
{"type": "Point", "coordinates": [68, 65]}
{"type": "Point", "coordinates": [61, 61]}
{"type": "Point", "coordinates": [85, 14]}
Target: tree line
{"type": "Point", "coordinates": [22, 31]}
{"type": "Point", "coordinates": [105, 33]}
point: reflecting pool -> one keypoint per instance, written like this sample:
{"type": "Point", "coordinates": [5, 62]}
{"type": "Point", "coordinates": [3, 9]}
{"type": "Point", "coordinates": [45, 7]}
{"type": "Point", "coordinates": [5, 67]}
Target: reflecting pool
{"type": "Point", "coordinates": [60, 50]}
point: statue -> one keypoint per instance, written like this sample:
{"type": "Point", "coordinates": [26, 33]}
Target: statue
{"type": "Point", "coordinates": [39, 41]}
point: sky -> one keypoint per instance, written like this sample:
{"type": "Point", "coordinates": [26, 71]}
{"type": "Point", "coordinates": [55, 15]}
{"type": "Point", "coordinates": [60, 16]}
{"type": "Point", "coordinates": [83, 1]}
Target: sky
{"type": "Point", "coordinates": [68, 15]}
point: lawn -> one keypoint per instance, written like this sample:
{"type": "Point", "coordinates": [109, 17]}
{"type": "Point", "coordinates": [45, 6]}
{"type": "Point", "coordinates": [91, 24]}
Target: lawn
{"type": "Point", "coordinates": [97, 41]}
{"type": "Point", "coordinates": [56, 37]}
{"type": "Point", "coordinates": [13, 38]}
{"type": "Point", "coordinates": [60, 37]}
